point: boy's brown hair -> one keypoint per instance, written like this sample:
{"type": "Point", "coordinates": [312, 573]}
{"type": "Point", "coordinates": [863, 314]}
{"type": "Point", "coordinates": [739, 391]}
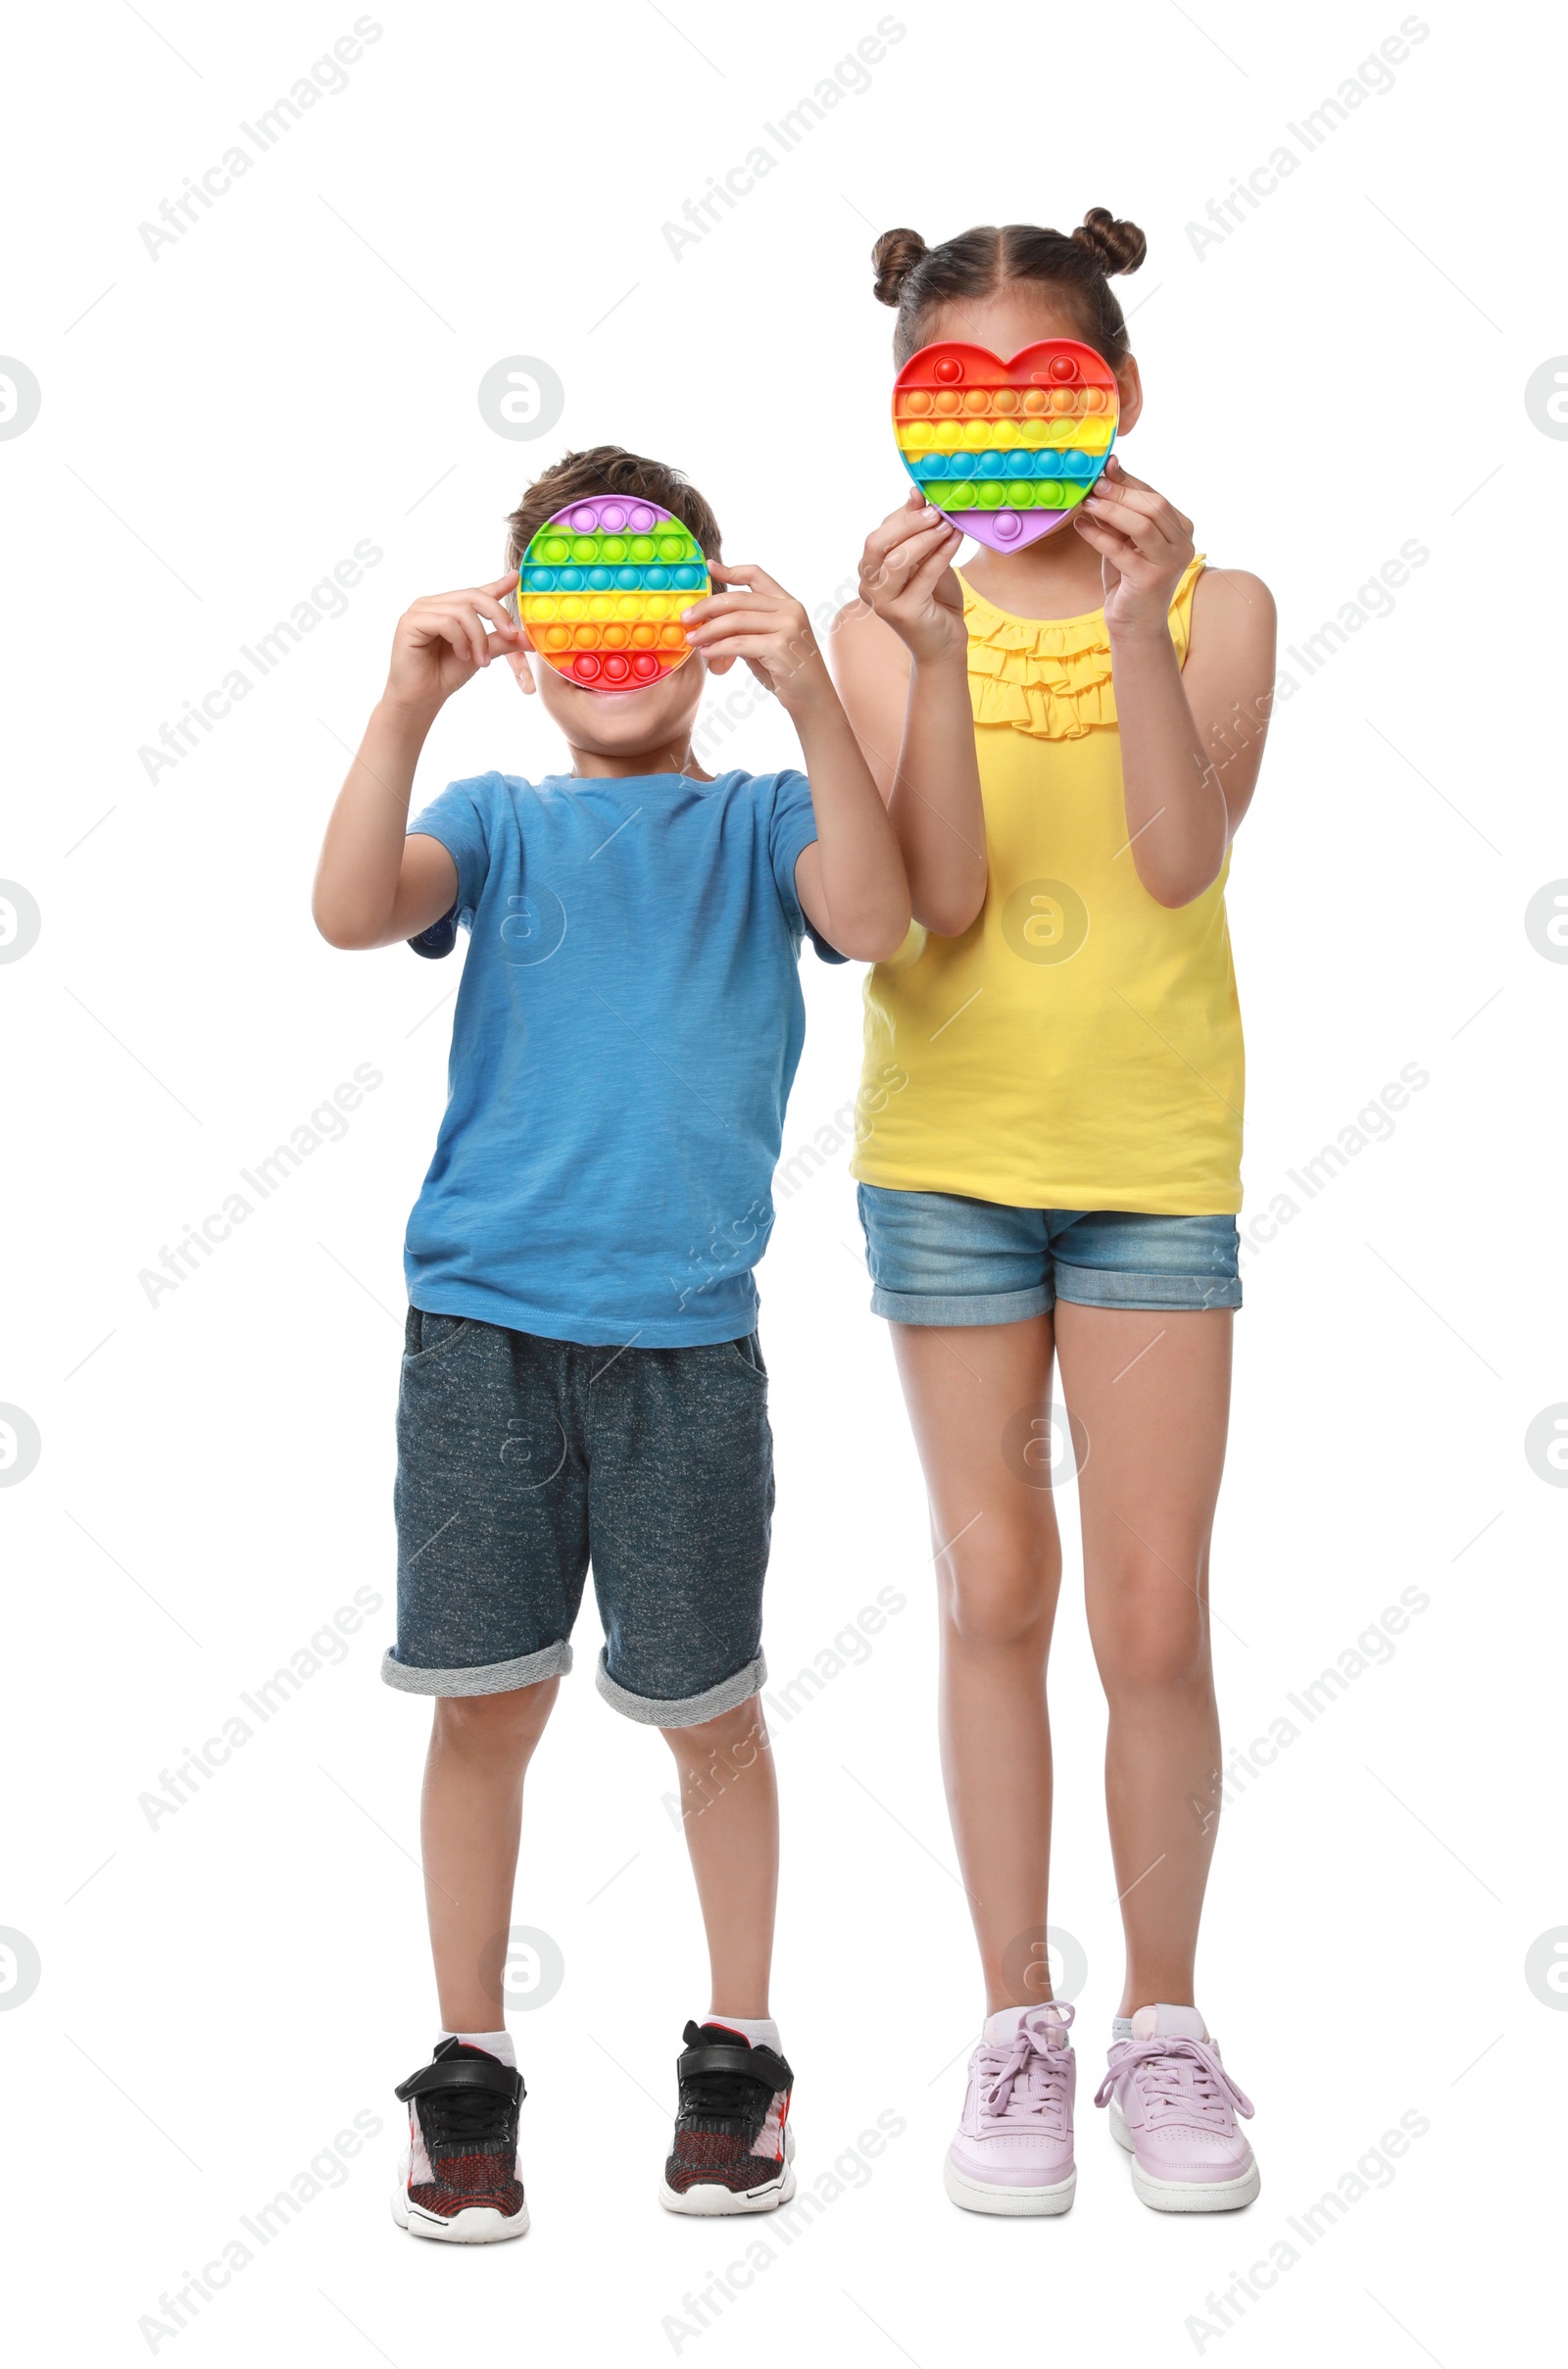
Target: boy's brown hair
{"type": "Point", "coordinates": [608, 469]}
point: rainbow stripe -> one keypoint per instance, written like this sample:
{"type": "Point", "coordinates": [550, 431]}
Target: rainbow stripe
{"type": "Point", "coordinates": [1009, 448]}
{"type": "Point", "coordinates": [601, 588]}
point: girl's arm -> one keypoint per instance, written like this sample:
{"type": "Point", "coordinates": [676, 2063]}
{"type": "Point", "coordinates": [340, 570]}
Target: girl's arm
{"type": "Point", "coordinates": [374, 885]}
{"type": "Point", "coordinates": [1191, 741]}
{"type": "Point", "coordinates": [850, 881]}
{"type": "Point", "coordinates": [900, 657]}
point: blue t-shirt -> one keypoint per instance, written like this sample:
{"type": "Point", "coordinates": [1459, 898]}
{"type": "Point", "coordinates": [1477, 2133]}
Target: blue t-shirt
{"type": "Point", "coordinates": [626, 1033]}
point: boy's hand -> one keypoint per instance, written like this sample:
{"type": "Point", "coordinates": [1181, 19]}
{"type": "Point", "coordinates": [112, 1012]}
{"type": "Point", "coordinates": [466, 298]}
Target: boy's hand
{"type": "Point", "coordinates": [441, 642]}
{"type": "Point", "coordinates": [907, 578]}
{"type": "Point", "coordinates": [757, 619]}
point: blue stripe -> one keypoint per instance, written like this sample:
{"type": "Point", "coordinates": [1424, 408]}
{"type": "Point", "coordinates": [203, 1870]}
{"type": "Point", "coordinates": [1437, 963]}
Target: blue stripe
{"type": "Point", "coordinates": [584, 577]}
{"type": "Point", "coordinates": [1045, 461]}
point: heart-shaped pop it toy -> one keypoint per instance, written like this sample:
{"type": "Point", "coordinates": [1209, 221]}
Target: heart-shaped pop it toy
{"type": "Point", "coordinates": [1006, 450]}
{"type": "Point", "coordinates": [601, 587]}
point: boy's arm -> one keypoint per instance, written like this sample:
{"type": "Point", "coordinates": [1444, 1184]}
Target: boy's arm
{"type": "Point", "coordinates": [374, 885]}
{"type": "Point", "coordinates": [850, 881]}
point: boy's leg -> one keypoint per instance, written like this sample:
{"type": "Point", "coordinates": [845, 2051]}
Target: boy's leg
{"type": "Point", "coordinates": [492, 1552]}
{"type": "Point", "coordinates": [681, 1497]}
{"type": "Point", "coordinates": [680, 1508]}
{"type": "Point", "coordinates": [729, 1810]}
{"type": "Point", "coordinates": [733, 2144]}
{"type": "Point", "coordinates": [459, 2179]}
{"type": "Point", "coordinates": [470, 1818]}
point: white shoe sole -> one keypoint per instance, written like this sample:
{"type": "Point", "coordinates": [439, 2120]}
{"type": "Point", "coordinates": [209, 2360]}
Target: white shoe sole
{"type": "Point", "coordinates": [475, 2225]}
{"type": "Point", "coordinates": [709, 2198]}
{"type": "Point", "coordinates": [980, 2197]}
{"type": "Point", "coordinates": [1184, 2195]}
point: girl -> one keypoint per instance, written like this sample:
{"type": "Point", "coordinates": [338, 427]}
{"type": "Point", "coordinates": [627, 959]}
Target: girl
{"type": "Point", "coordinates": [1068, 737]}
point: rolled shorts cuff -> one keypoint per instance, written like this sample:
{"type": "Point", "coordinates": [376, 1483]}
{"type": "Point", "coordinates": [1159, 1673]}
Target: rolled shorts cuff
{"type": "Point", "coordinates": [963, 1308]}
{"type": "Point", "coordinates": [488, 1678]}
{"type": "Point", "coordinates": [684, 1711]}
{"type": "Point", "coordinates": [1110, 1287]}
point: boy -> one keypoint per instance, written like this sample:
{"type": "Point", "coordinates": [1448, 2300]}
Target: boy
{"type": "Point", "coordinates": [582, 1379]}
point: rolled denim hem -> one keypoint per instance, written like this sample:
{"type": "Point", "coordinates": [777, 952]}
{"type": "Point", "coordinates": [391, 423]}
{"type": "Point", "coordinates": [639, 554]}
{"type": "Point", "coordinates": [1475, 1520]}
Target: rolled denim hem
{"type": "Point", "coordinates": [488, 1678]}
{"type": "Point", "coordinates": [1109, 1287]}
{"type": "Point", "coordinates": [685, 1711]}
{"type": "Point", "coordinates": [963, 1308]}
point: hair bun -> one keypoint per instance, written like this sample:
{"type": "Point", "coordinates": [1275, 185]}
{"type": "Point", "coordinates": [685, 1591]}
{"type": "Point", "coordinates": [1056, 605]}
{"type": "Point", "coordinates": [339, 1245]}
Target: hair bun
{"type": "Point", "coordinates": [894, 257]}
{"type": "Point", "coordinates": [1116, 246]}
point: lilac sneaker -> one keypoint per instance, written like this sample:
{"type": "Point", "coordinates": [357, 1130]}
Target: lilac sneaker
{"type": "Point", "coordinates": [1013, 2152]}
{"type": "Point", "coordinates": [1173, 2108]}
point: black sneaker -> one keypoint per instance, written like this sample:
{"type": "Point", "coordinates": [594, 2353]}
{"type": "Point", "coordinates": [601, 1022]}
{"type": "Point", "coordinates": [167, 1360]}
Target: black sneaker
{"type": "Point", "coordinates": [733, 2144]}
{"type": "Point", "coordinates": [459, 2176]}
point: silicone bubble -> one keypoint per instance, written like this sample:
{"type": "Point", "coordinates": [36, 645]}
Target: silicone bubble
{"type": "Point", "coordinates": [601, 590]}
{"type": "Point", "coordinates": [1006, 450]}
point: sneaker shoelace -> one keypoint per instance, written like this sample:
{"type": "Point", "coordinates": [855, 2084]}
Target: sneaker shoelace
{"type": "Point", "coordinates": [464, 2120]}
{"type": "Point", "coordinates": [1178, 2081]}
{"type": "Point", "coordinates": [1026, 2079]}
{"type": "Point", "coordinates": [728, 2096]}
{"type": "Point", "coordinates": [724, 2102]}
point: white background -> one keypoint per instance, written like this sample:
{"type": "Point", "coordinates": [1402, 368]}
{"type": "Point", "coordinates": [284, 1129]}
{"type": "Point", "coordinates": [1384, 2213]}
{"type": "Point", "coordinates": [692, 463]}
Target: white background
{"type": "Point", "coordinates": [1341, 373]}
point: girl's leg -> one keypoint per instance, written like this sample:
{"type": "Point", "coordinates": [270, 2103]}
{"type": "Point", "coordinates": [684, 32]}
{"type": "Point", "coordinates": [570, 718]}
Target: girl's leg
{"type": "Point", "coordinates": [729, 1806]}
{"type": "Point", "coordinates": [998, 1567]}
{"type": "Point", "coordinates": [470, 1818]}
{"type": "Point", "coordinates": [1152, 1391]}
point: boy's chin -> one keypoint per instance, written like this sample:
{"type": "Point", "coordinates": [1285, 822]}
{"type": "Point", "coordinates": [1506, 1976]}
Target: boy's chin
{"type": "Point", "coordinates": [617, 723]}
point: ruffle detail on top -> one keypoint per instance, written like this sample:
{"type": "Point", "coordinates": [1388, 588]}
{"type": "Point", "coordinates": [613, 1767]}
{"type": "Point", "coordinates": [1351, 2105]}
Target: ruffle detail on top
{"type": "Point", "coordinates": [1051, 676]}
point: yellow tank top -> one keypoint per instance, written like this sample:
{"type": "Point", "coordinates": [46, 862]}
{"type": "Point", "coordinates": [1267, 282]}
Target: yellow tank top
{"type": "Point", "coordinates": [1080, 1046]}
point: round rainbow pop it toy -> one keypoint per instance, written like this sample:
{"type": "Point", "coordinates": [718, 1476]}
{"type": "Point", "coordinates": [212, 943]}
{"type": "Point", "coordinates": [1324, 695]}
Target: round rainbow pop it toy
{"type": "Point", "coordinates": [1006, 450]}
{"type": "Point", "coordinates": [601, 587]}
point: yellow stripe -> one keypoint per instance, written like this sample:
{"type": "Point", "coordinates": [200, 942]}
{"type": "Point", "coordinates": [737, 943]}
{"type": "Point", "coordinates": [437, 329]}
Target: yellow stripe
{"type": "Point", "coordinates": [1092, 434]}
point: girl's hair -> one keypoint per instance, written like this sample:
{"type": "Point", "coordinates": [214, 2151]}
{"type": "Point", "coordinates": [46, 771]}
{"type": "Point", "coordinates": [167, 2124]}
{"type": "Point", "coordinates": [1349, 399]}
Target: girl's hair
{"type": "Point", "coordinates": [608, 469]}
{"type": "Point", "coordinates": [918, 278]}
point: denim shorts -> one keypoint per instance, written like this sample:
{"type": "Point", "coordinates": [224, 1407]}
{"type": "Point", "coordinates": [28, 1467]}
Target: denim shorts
{"type": "Point", "coordinates": [521, 1460]}
{"type": "Point", "coordinates": [943, 1259]}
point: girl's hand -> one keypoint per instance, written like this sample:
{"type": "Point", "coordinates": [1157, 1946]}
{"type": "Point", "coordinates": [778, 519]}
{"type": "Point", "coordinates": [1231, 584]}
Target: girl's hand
{"type": "Point", "coordinates": [441, 643]}
{"type": "Point", "coordinates": [1145, 545]}
{"type": "Point", "coordinates": [906, 578]}
{"type": "Point", "coordinates": [755, 618]}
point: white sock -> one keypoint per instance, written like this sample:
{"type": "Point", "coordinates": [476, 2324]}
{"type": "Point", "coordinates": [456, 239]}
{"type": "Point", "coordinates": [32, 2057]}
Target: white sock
{"type": "Point", "coordinates": [761, 2030]}
{"type": "Point", "coordinates": [494, 2043]}
{"type": "Point", "coordinates": [1121, 2027]}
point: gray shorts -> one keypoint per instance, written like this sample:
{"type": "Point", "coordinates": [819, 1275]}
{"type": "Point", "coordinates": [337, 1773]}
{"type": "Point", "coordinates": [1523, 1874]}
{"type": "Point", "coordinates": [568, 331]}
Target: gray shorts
{"type": "Point", "coordinates": [521, 1460]}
